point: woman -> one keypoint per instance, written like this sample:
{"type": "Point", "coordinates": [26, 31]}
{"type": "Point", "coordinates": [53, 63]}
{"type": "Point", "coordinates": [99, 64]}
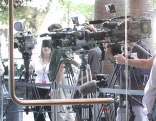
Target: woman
{"type": "Point", "coordinates": [41, 68]}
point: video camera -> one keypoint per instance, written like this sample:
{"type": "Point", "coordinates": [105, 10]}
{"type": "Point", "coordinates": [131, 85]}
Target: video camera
{"type": "Point", "coordinates": [24, 41]}
{"type": "Point", "coordinates": [68, 38]}
{"type": "Point", "coordinates": [114, 28]}
{"type": "Point", "coordinates": [137, 28]}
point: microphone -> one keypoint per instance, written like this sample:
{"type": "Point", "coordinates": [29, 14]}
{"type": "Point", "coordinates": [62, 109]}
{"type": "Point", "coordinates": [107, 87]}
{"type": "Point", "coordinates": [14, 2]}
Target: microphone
{"type": "Point", "coordinates": [63, 30]}
{"type": "Point", "coordinates": [91, 86]}
{"type": "Point", "coordinates": [97, 21]}
{"type": "Point", "coordinates": [44, 34]}
{"type": "Point", "coordinates": [55, 35]}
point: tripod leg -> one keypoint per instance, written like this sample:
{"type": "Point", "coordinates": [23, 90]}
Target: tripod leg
{"type": "Point", "coordinates": [88, 72]}
{"type": "Point", "coordinates": [39, 111]}
{"type": "Point", "coordinates": [39, 114]}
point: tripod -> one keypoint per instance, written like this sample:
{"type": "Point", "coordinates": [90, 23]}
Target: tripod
{"type": "Point", "coordinates": [26, 56]}
{"type": "Point", "coordinates": [118, 71]}
{"type": "Point", "coordinates": [12, 110]}
{"type": "Point", "coordinates": [29, 78]}
{"type": "Point", "coordinates": [59, 58]}
{"type": "Point", "coordinates": [84, 112]}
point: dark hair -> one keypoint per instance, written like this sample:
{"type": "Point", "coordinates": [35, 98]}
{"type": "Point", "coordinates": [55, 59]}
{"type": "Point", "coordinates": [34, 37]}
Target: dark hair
{"type": "Point", "coordinates": [46, 43]}
{"type": "Point", "coordinates": [115, 48]}
{"type": "Point", "coordinates": [53, 27]}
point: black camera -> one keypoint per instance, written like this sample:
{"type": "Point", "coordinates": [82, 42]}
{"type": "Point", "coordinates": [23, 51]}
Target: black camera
{"type": "Point", "coordinates": [114, 28]}
{"type": "Point", "coordinates": [75, 21]}
{"type": "Point", "coordinates": [25, 42]}
{"type": "Point", "coordinates": [102, 80]}
{"type": "Point", "coordinates": [68, 39]}
{"type": "Point", "coordinates": [136, 28]}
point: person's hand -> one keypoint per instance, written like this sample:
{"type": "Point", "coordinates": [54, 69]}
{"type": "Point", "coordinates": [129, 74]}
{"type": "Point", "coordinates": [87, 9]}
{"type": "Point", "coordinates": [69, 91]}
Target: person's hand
{"type": "Point", "coordinates": [119, 58]}
{"type": "Point", "coordinates": [89, 27]}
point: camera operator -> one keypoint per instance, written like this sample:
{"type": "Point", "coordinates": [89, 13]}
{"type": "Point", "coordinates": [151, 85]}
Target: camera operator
{"type": "Point", "coordinates": [54, 59]}
{"type": "Point", "coordinates": [149, 91]}
{"type": "Point", "coordinates": [60, 77]}
{"type": "Point", "coordinates": [138, 78]}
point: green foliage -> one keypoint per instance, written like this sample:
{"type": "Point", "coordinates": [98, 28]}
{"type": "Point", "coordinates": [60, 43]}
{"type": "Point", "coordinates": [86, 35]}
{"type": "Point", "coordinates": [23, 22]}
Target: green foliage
{"type": "Point", "coordinates": [70, 7]}
{"type": "Point", "coordinates": [24, 13]}
{"type": "Point", "coordinates": [34, 17]}
{"type": "Point", "coordinates": [84, 9]}
{"type": "Point", "coordinates": [154, 3]}
{"type": "Point", "coordinates": [4, 16]}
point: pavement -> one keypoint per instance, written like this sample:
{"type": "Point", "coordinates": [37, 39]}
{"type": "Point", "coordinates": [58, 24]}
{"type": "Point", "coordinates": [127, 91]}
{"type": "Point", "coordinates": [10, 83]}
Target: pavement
{"type": "Point", "coordinates": [30, 117]}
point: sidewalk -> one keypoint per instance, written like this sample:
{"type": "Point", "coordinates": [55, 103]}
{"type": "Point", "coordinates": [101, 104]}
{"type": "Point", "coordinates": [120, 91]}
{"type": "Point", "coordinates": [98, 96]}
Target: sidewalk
{"type": "Point", "coordinates": [30, 117]}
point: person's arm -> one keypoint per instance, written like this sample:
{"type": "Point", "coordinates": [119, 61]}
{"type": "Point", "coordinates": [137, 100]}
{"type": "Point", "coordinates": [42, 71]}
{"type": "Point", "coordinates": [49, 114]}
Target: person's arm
{"type": "Point", "coordinates": [75, 63]}
{"type": "Point", "coordinates": [90, 27]}
{"type": "Point", "coordinates": [139, 63]}
{"type": "Point", "coordinates": [60, 73]}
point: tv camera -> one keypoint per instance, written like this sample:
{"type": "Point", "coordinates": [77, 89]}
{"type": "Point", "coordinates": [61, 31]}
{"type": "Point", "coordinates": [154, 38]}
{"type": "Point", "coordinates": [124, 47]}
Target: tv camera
{"type": "Point", "coordinates": [24, 40]}
{"type": "Point", "coordinates": [114, 29]}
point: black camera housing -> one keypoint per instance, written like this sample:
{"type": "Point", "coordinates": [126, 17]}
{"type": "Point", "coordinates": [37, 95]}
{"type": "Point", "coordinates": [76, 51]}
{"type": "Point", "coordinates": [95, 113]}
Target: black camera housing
{"type": "Point", "coordinates": [24, 41]}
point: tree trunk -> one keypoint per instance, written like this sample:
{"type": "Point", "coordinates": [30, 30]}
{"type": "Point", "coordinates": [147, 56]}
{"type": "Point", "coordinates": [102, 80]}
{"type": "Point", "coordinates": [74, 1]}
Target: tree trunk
{"type": "Point", "coordinates": [136, 8]}
{"type": "Point", "coordinates": [100, 10]}
{"type": "Point", "coordinates": [141, 8]}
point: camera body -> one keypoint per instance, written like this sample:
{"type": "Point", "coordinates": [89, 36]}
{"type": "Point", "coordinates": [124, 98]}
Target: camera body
{"type": "Point", "coordinates": [136, 28]}
{"type": "Point", "coordinates": [25, 42]}
{"type": "Point", "coordinates": [75, 21]}
{"type": "Point", "coordinates": [114, 29]}
{"type": "Point", "coordinates": [102, 81]}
